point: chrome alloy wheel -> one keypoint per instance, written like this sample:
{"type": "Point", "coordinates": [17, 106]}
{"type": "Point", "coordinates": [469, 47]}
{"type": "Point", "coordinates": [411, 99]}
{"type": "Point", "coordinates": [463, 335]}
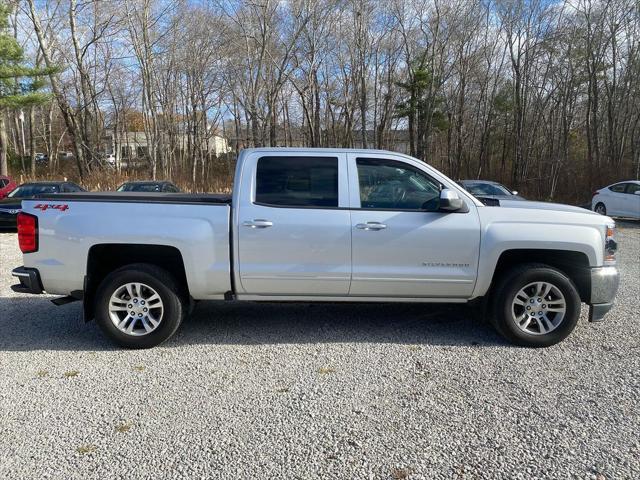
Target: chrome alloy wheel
{"type": "Point", "coordinates": [600, 208]}
{"type": "Point", "coordinates": [136, 309]}
{"type": "Point", "coordinates": [538, 308]}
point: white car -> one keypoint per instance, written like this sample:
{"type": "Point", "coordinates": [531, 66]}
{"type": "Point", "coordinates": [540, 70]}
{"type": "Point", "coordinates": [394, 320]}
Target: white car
{"type": "Point", "coordinates": [618, 200]}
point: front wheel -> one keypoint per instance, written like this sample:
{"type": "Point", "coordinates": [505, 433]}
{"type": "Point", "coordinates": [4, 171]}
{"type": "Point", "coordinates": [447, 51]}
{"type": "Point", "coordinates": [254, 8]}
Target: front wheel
{"type": "Point", "coordinates": [535, 306]}
{"type": "Point", "coordinates": [139, 306]}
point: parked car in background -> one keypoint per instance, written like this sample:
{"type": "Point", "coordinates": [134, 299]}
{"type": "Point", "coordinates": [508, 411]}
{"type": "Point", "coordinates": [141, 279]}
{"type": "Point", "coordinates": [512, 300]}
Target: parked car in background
{"type": "Point", "coordinates": [488, 189]}
{"type": "Point", "coordinates": [621, 199]}
{"type": "Point", "coordinates": [110, 159]}
{"type": "Point", "coordinates": [12, 204]}
{"type": "Point", "coordinates": [42, 158]}
{"type": "Point", "coordinates": [148, 186]}
{"type": "Point", "coordinates": [6, 186]}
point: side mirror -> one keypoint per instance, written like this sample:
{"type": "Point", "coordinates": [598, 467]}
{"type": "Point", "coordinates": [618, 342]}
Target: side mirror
{"type": "Point", "coordinates": [637, 192]}
{"type": "Point", "coordinates": [515, 192]}
{"type": "Point", "coordinates": [449, 200]}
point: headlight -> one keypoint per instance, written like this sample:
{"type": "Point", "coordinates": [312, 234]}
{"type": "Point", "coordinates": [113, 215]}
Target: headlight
{"type": "Point", "coordinates": [610, 245]}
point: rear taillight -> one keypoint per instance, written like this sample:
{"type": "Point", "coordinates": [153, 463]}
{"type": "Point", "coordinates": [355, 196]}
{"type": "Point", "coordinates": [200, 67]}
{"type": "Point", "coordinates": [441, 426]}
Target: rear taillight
{"type": "Point", "coordinates": [595, 192]}
{"type": "Point", "coordinates": [27, 232]}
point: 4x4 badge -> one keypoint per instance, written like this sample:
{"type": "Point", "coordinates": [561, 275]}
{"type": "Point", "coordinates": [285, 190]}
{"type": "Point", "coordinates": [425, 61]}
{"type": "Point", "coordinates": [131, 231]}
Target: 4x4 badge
{"type": "Point", "coordinates": [47, 206]}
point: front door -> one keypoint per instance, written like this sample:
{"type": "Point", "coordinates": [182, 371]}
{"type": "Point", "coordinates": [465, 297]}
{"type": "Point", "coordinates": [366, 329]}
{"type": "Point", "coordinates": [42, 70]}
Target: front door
{"type": "Point", "coordinates": [403, 246]}
{"type": "Point", "coordinates": [293, 237]}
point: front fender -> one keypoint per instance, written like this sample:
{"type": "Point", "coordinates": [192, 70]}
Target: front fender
{"type": "Point", "coordinates": [500, 237]}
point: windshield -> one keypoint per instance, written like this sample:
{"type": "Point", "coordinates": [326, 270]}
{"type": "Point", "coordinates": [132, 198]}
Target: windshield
{"type": "Point", "coordinates": [480, 189]}
{"type": "Point", "coordinates": [139, 187]}
{"type": "Point", "coordinates": [24, 191]}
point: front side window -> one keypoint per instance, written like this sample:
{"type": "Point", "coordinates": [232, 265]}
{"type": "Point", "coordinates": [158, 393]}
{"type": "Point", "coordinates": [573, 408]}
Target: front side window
{"type": "Point", "coordinates": [392, 185]}
{"type": "Point", "coordinates": [632, 188]}
{"type": "Point", "coordinates": [297, 181]}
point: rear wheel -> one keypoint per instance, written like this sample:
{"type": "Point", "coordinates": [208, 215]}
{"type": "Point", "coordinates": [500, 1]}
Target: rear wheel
{"type": "Point", "coordinates": [600, 208]}
{"type": "Point", "coordinates": [535, 306]}
{"type": "Point", "coordinates": [139, 306]}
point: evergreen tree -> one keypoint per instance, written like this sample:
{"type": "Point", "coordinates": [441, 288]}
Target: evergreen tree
{"type": "Point", "coordinates": [19, 83]}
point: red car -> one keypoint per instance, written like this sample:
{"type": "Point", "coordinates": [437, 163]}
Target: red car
{"type": "Point", "coordinates": [6, 186]}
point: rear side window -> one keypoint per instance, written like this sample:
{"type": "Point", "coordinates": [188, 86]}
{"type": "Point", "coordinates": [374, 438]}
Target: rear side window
{"type": "Point", "coordinates": [297, 181]}
{"type": "Point", "coordinates": [619, 188]}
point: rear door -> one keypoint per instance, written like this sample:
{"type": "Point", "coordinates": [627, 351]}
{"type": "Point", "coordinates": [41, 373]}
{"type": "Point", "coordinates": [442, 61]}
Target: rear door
{"type": "Point", "coordinates": [294, 229]}
{"type": "Point", "coordinates": [632, 200]}
{"type": "Point", "coordinates": [402, 245]}
{"type": "Point", "coordinates": [616, 199]}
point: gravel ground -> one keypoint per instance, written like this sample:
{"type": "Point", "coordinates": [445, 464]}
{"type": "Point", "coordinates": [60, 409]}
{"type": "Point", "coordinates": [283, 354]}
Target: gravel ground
{"type": "Point", "coordinates": [318, 391]}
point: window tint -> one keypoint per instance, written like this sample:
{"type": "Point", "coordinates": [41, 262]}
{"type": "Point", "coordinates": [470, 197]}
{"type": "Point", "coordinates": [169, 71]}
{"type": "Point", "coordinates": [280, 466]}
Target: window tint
{"type": "Point", "coordinates": [3, 182]}
{"type": "Point", "coordinates": [171, 188]}
{"type": "Point", "coordinates": [488, 189]}
{"type": "Point", "coordinates": [139, 187]}
{"type": "Point", "coordinates": [632, 188]}
{"type": "Point", "coordinates": [619, 188]}
{"type": "Point", "coordinates": [297, 181]}
{"type": "Point", "coordinates": [387, 184]}
{"type": "Point", "coordinates": [24, 191]}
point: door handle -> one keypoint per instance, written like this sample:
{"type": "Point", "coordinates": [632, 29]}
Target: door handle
{"type": "Point", "coordinates": [258, 223]}
{"type": "Point", "coordinates": [371, 226]}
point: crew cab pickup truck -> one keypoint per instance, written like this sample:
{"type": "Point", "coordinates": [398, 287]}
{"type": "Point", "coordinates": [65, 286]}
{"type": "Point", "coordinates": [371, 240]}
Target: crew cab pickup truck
{"type": "Point", "coordinates": [318, 225]}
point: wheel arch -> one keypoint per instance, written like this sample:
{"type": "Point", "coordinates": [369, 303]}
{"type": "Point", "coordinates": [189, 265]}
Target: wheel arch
{"type": "Point", "coordinates": [573, 264]}
{"type": "Point", "coordinates": [103, 259]}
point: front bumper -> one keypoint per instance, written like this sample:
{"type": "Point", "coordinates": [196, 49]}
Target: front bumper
{"type": "Point", "coordinates": [29, 280]}
{"type": "Point", "coordinates": [604, 286]}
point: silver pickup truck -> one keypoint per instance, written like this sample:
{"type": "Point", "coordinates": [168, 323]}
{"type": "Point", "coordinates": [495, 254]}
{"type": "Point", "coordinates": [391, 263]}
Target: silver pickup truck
{"type": "Point", "coordinates": [318, 225]}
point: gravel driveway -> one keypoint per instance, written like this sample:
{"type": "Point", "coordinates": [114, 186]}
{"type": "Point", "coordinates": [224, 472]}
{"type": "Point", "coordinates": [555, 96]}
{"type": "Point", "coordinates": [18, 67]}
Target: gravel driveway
{"type": "Point", "coordinates": [318, 391]}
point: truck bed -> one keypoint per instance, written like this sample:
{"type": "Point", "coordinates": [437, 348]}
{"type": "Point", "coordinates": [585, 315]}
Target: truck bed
{"type": "Point", "coordinates": [141, 197]}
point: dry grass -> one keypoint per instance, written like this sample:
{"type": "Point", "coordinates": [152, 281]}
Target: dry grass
{"type": "Point", "coordinates": [42, 373]}
{"type": "Point", "coordinates": [326, 370]}
{"type": "Point", "coordinates": [139, 368]}
{"type": "Point", "coordinates": [401, 473]}
{"type": "Point", "coordinates": [85, 449]}
{"type": "Point", "coordinates": [71, 373]}
{"type": "Point", "coordinates": [123, 427]}
{"type": "Point", "coordinates": [218, 177]}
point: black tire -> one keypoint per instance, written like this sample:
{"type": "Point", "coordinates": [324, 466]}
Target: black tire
{"type": "Point", "coordinates": [505, 292]}
{"type": "Point", "coordinates": [604, 208]}
{"type": "Point", "coordinates": [173, 301]}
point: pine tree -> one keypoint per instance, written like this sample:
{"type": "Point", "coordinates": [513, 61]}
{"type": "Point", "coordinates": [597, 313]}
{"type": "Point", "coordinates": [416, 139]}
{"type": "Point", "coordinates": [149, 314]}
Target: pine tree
{"type": "Point", "coordinates": [19, 83]}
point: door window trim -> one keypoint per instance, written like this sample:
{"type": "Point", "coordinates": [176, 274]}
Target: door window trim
{"type": "Point", "coordinates": [401, 164]}
{"type": "Point", "coordinates": [341, 162]}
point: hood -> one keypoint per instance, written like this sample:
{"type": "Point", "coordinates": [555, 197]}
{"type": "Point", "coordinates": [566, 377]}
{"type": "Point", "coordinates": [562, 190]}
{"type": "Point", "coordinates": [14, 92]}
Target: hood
{"type": "Point", "coordinates": [558, 207]}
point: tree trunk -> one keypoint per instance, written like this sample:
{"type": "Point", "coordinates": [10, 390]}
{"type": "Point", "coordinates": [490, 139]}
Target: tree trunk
{"type": "Point", "coordinates": [4, 145]}
{"type": "Point", "coordinates": [32, 140]}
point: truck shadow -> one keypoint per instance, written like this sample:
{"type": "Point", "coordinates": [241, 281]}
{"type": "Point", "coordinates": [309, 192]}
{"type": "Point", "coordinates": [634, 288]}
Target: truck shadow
{"type": "Point", "coordinates": [36, 324]}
